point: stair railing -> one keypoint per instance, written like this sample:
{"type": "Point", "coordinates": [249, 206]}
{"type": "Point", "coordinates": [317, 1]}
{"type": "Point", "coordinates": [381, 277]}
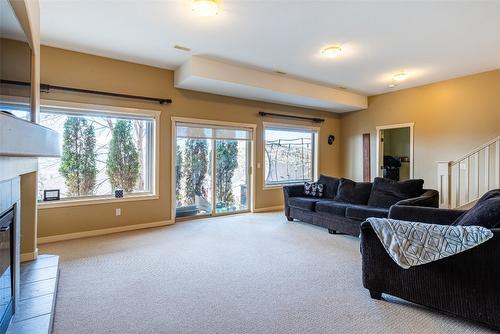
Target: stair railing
{"type": "Point", "coordinates": [465, 180]}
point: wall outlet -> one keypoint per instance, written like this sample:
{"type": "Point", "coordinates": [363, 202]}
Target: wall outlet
{"type": "Point", "coordinates": [258, 164]}
{"type": "Point", "coordinates": [118, 211]}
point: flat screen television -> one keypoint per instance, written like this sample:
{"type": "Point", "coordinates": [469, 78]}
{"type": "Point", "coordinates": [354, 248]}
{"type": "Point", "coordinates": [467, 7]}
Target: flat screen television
{"type": "Point", "coordinates": [15, 65]}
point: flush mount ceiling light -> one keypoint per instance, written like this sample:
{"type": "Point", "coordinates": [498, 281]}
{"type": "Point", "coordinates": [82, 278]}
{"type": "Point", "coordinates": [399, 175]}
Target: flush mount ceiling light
{"type": "Point", "coordinates": [206, 7]}
{"type": "Point", "coordinates": [331, 51]}
{"type": "Point", "coordinates": [401, 76]}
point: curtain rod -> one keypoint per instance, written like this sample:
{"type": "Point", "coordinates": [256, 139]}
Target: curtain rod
{"type": "Point", "coordinates": [46, 89]}
{"type": "Point", "coordinates": [312, 119]}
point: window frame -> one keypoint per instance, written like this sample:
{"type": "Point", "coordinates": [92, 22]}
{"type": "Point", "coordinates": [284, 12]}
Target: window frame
{"type": "Point", "coordinates": [209, 122]}
{"type": "Point", "coordinates": [284, 126]}
{"type": "Point", "coordinates": [96, 109]}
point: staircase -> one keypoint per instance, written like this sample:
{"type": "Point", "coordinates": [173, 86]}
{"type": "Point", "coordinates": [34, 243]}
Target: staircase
{"type": "Point", "coordinates": [462, 182]}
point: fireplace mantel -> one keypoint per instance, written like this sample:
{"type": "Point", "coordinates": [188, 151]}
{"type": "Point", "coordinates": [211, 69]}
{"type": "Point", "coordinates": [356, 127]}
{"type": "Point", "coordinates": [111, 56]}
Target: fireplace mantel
{"type": "Point", "coordinates": [20, 138]}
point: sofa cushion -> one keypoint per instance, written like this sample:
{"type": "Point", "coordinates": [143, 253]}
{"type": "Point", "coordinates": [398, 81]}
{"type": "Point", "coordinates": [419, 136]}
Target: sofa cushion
{"type": "Point", "coordinates": [330, 185]}
{"type": "Point", "coordinates": [386, 192]}
{"type": "Point", "coordinates": [331, 208]}
{"type": "Point", "coordinates": [362, 212]}
{"type": "Point", "coordinates": [304, 203]}
{"type": "Point", "coordinates": [353, 192]}
{"type": "Point", "coordinates": [485, 213]}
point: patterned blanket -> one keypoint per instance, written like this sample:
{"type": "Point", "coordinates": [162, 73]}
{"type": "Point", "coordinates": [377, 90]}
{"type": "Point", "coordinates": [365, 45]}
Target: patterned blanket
{"type": "Point", "coordinates": [412, 244]}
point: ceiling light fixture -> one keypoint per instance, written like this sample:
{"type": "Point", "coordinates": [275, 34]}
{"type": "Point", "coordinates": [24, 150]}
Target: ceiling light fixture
{"type": "Point", "coordinates": [332, 51]}
{"type": "Point", "coordinates": [206, 7]}
{"type": "Point", "coordinates": [401, 76]}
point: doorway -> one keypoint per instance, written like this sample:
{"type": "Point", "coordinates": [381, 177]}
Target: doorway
{"type": "Point", "coordinates": [212, 168]}
{"type": "Point", "coordinates": [395, 151]}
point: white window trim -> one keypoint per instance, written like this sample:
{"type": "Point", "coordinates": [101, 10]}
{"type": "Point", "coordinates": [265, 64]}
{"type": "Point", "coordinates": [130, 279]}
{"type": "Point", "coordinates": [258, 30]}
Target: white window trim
{"type": "Point", "coordinates": [285, 126]}
{"type": "Point", "coordinates": [116, 111]}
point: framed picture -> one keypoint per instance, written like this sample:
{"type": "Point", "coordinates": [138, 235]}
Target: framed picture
{"type": "Point", "coordinates": [51, 195]}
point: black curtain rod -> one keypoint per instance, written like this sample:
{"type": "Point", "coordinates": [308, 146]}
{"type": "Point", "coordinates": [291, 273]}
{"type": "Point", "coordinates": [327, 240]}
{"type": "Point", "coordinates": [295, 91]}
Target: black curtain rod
{"type": "Point", "coordinates": [46, 89]}
{"type": "Point", "coordinates": [312, 119]}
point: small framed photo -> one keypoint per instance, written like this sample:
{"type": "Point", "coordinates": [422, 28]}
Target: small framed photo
{"type": "Point", "coordinates": [118, 193]}
{"type": "Point", "coordinates": [51, 195]}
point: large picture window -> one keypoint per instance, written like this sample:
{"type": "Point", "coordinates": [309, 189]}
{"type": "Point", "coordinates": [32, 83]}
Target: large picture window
{"type": "Point", "coordinates": [101, 152]}
{"type": "Point", "coordinates": [290, 155]}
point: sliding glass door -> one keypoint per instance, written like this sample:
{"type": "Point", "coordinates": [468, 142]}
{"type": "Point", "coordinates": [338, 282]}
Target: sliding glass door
{"type": "Point", "coordinates": [212, 169]}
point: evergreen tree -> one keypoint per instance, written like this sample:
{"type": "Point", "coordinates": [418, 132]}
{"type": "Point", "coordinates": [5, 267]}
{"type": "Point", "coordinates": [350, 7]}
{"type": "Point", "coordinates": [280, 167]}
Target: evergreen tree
{"type": "Point", "coordinates": [195, 167]}
{"type": "Point", "coordinates": [78, 160]}
{"type": "Point", "coordinates": [123, 159]}
{"type": "Point", "coordinates": [226, 164]}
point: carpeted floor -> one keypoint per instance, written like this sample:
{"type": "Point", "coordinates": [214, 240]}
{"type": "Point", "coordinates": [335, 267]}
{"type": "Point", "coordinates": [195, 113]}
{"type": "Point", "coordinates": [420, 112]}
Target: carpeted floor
{"type": "Point", "coordinates": [250, 273]}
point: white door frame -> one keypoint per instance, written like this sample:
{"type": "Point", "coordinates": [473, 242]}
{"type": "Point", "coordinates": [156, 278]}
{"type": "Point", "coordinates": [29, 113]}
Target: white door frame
{"type": "Point", "coordinates": [380, 148]}
{"type": "Point", "coordinates": [251, 155]}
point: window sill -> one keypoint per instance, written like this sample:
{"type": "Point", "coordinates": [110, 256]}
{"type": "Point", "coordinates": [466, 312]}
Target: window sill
{"type": "Point", "coordinates": [94, 201]}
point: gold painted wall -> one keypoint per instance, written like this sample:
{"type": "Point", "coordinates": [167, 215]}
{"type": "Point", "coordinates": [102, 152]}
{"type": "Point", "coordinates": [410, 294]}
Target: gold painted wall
{"type": "Point", "coordinates": [451, 118]}
{"type": "Point", "coordinates": [67, 68]}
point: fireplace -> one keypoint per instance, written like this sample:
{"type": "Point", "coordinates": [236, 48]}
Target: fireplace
{"type": "Point", "coordinates": [7, 264]}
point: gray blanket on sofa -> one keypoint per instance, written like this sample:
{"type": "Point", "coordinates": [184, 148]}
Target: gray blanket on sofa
{"type": "Point", "coordinates": [412, 244]}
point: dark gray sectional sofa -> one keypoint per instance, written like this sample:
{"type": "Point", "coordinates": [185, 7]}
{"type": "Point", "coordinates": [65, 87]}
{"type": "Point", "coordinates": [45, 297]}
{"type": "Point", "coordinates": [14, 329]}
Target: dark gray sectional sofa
{"type": "Point", "coordinates": [345, 204]}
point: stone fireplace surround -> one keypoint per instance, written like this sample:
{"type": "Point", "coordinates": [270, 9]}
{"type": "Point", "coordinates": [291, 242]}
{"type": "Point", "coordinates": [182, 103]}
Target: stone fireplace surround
{"type": "Point", "coordinates": [34, 282]}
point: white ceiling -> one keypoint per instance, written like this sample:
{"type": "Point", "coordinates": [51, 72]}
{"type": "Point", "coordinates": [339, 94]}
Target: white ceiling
{"type": "Point", "coordinates": [9, 26]}
{"type": "Point", "coordinates": [431, 40]}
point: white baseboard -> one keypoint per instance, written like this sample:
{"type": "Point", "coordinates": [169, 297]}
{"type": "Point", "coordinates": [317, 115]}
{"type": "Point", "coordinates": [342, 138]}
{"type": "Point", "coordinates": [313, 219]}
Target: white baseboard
{"type": "Point", "coordinates": [29, 256]}
{"type": "Point", "coordinates": [93, 233]}
{"type": "Point", "coordinates": [269, 209]}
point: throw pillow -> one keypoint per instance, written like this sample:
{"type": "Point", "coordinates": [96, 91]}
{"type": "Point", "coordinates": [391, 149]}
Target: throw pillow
{"type": "Point", "coordinates": [313, 189]}
{"type": "Point", "coordinates": [485, 213]}
{"type": "Point", "coordinates": [353, 192]}
{"type": "Point", "coordinates": [386, 192]}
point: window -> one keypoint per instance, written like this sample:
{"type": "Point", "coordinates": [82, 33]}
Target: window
{"type": "Point", "coordinates": [101, 152]}
{"type": "Point", "coordinates": [290, 155]}
{"type": "Point", "coordinates": [212, 169]}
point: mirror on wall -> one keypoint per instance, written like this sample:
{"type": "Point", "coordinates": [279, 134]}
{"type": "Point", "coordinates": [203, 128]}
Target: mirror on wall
{"type": "Point", "coordinates": [15, 65]}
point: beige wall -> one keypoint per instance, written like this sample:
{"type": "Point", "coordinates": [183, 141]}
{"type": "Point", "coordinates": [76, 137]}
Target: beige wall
{"type": "Point", "coordinates": [451, 118]}
{"type": "Point", "coordinates": [66, 68]}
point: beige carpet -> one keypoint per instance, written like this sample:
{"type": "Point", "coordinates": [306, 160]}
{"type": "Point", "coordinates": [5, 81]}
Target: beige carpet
{"type": "Point", "coordinates": [251, 273]}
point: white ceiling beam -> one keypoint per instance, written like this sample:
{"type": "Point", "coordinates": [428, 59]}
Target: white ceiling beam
{"type": "Point", "coordinates": [222, 78]}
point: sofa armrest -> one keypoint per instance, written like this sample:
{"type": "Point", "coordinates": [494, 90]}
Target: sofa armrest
{"type": "Point", "coordinates": [296, 190]}
{"type": "Point", "coordinates": [424, 214]}
{"type": "Point", "coordinates": [429, 198]}
{"type": "Point", "coordinates": [465, 284]}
